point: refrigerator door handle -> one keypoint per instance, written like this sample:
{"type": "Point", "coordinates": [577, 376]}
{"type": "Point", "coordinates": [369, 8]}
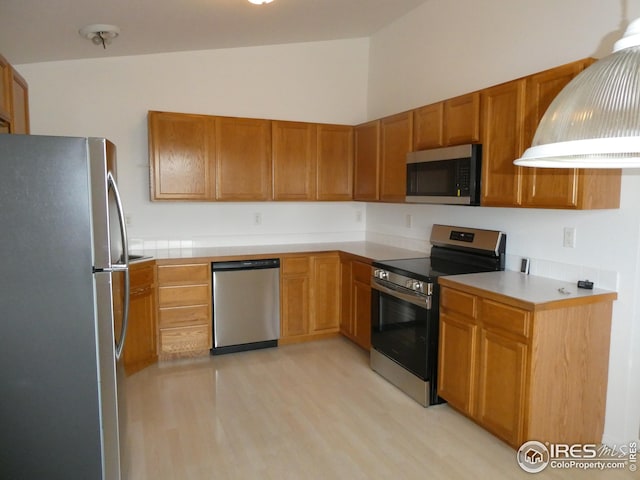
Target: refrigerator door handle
{"type": "Point", "coordinates": [121, 267]}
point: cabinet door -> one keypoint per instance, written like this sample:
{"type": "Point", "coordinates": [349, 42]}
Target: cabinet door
{"type": "Point", "coordinates": [5, 90]}
{"type": "Point", "coordinates": [396, 138]}
{"type": "Point", "coordinates": [294, 160]}
{"type": "Point", "coordinates": [295, 290]}
{"type": "Point", "coordinates": [501, 386]}
{"type": "Point", "coordinates": [428, 126]}
{"type": "Point", "coordinates": [326, 293]}
{"type": "Point", "coordinates": [334, 162]}
{"type": "Point", "coordinates": [243, 159]}
{"type": "Point", "coordinates": [457, 351]}
{"type": "Point", "coordinates": [361, 303]}
{"type": "Point", "coordinates": [181, 148]}
{"type": "Point", "coordinates": [20, 104]}
{"type": "Point", "coordinates": [548, 187]}
{"type": "Point", "coordinates": [367, 161]}
{"type": "Point", "coordinates": [140, 345]}
{"type": "Point", "coordinates": [502, 139]}
{"type": "Point", "coordinates": [346, 320]}
{"type": "Point", "coordinates": [462, 119]}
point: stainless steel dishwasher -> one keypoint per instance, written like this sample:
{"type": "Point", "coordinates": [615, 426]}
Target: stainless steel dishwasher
{"type": "Point", "coordinates": [246, 305]}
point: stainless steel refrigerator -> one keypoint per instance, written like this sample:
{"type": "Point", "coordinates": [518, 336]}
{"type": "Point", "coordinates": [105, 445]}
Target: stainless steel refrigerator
{"type": "Point", "coordinates": [63, 309]}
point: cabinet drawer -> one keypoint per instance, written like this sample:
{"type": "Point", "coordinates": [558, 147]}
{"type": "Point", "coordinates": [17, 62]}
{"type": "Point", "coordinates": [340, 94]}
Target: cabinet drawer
{"type": "Point", "coordinates": [184, 339]}
{"type": "Point", "coordinates": [184, 274]}
{"type": "Point", "coordinates": [184, 295]}
{"type": "Point", "coordinates": [295, 265]}
{"type": "Point", "coordinates": [141, 276]}
{"type": "Point", "coordinates": [177, 316]}
{"type": "Point", "coordinates": [361, 272]}
{"type": "Point", "coordinates": [506, 318]}
{"type": "Point", "coordinates": [459, 302]}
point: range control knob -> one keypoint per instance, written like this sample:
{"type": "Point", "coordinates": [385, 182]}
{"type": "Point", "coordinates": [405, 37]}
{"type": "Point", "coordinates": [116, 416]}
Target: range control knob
{"type": "Point", "coordinates": [381, 274]}
{"type": "Point", "coordinates": [416, 286]}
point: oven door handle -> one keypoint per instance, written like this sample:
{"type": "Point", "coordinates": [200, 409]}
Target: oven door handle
{"type": "Point", "coordinates": [418, 300]}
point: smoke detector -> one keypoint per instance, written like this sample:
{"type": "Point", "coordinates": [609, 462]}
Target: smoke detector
{"type": "Point", "coordinates": [99, 33]}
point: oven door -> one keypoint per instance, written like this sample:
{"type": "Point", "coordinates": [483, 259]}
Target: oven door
{"type": "Point", "coordinates": [402, 327]}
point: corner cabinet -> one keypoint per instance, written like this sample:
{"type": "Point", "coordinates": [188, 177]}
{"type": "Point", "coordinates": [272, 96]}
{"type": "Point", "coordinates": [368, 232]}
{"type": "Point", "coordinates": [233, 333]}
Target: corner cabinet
{"type": "Point", "coordinates": [310, 297]}
{"type": "Point", "coordinates": [140, 348]}
{"type": "Point", "coordinates": [510, 115]}
{"type": "Point", "coordinates": [525, 371]}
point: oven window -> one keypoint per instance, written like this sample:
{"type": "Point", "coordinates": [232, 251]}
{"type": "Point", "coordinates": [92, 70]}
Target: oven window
{"type": "Point", "coordinates": [399, 330]}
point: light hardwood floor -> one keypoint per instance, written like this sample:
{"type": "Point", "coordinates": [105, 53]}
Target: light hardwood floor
{"type": "Point", "coordinates": [303, 411]}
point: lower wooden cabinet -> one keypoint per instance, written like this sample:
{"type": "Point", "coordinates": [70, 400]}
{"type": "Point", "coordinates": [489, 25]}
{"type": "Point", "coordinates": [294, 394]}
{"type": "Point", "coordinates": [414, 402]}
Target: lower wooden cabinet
{"type": "Point", "coordinates": [355, 320]}
{"type": "Point", "coordinates": [184, 309]}
{"type": "Point", "coordinates": [310, 297]}
{"type": "Point", "coordinates": [140, 348]}
{"type": "Point", "coordinates": [530, 372]}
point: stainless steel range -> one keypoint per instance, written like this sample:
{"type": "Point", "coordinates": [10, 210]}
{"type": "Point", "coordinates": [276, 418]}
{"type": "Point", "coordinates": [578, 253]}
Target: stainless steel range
{"type": "Point", "coordinates": [405, 313]}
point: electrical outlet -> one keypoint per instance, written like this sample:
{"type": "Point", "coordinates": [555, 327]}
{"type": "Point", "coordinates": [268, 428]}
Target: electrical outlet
{"type": "Point", "coordinates": [127, 219]}
{"type": "Point", "coordinates": [359, 216]}
{"type": "Point", "coordinates": [569, 240]}
{"type": "Point", "coordinates": [408, 220]}
{"type": "Point", "coordinates": [257, 218]}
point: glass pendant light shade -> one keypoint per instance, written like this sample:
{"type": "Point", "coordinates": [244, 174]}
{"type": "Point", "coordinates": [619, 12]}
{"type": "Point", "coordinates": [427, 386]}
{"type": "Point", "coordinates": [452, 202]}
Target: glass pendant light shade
{"type": "Point", "coordinates": [594, 122]}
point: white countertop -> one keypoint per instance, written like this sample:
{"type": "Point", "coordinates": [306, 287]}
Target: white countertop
{"type": "Point", "coordinates": [529, 289]}
{"type": "Point", "coordinates": [369, 250]}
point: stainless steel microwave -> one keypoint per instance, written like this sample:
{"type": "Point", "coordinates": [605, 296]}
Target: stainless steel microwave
{"type": "Point", "coordinates": [449, 175]}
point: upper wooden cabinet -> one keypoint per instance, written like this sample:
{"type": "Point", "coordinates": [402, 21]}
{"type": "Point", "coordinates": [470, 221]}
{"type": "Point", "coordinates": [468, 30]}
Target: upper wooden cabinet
{"type": "Point", "coordinates": [20, 104]}
{"type": "Point", "coordinates": [502, 140]}
{"type": "Point", "coordinates": [334, 162]}
{"type": "Point", "coordinates": [428, 126]}
{"type": "Point", "coordinates": [5, 90]}
{"type": "Point", "coordinates": [462, 119]}
{"type": "Point", "coordinates": [181, 156]}
{"type": "Point", "coordinates": [451, 122]}
{"type": "Point", "coordinates": [396, 140]}
{"type": "Point", "coordinates": [367, 161]}
{"type": "Point", "coordinates": [312, 161]}
{"type": "Point", "coordinates": [294, 161]}
{"type": "Point", "coordinates": [14, 100]}
{"type": "Point", "coordinates": [243, 159]}
{"type": "Point", "coordinates": [562, 188]}
{"type": "Point", "coordinates": [206, 158]}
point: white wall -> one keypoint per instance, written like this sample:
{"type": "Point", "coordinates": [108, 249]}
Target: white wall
{"type": "Point", "coordinates": [443, 49]}
{"type": "Point", "coordinates": [316, 82]}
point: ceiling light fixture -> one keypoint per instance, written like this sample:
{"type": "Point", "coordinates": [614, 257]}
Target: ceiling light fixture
{"type": "Point", "coordinates": [260, 2]}
{"type": "Point", "coordinates": [100, 34]}
{"type": "Point", "coordinates": [594, 122]}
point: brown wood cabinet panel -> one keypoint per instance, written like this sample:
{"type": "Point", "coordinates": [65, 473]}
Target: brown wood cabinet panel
{"type": "Point", "coordinates": [501, 386]}
{"type": "Point", "coordinates": [294, 160]}
{"type": "Point", "coordinates": [428, 126]}
{"type": "Point", "coordinates": [462, 119]}
{"type": "Point", "coordinates": [361, 303]}
{"type": "Point", "coordinates": [502, 139]}
{"type": "Point", "coordinates": [243, 159]}
{"type": "Point", "coordinates": [181, 316]}
{"type": "Point", "coordinates": [346, 321]}
{"type": "Point", "coordinates": [503, 317]}
{"type": "Point", "coordinates": [140, 348]}
{"type": "Point", "coordinates": [459, 302]}
{"type": "Point", "coordinates": [184, 274]}
{"type": "Point", "coordinates": [5, 89]}
{"type": "Point", "coordinates": [334, 159]}
{"type": "Point", "coordinates": [295, 296]}
{"type": "Point", "coordinates": [456, 365]}
{"type": "Point", "coordinates": [326, 293]}
{"type": "Point", "coordinates": [178, 341]}
{"type": "Point", "coordinates": [181, 149]}
{"type": "Point", "coordinates": [367, 162]}
{"type": "Point", "coordinates": [182, 295]}
{"type": "Point", "coordinates": [20, 104]}
{"type": "Point", "coordinates": [396, 140]}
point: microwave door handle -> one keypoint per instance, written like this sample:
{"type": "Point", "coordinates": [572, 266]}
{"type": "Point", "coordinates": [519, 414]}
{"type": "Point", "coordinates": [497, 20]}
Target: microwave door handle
{"type": "Point", "coordinates": [121, 267]}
